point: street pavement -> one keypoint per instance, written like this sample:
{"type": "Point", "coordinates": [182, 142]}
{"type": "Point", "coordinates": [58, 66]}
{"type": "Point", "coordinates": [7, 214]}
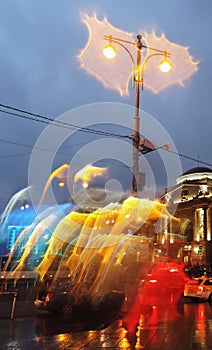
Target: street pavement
{"type": "Point", "coordinates": [169, 326]}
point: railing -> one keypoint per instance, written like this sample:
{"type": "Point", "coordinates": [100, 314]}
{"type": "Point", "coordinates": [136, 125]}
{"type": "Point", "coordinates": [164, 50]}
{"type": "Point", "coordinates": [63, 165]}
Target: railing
{"type": "Point", "coordinates": [15, 293]}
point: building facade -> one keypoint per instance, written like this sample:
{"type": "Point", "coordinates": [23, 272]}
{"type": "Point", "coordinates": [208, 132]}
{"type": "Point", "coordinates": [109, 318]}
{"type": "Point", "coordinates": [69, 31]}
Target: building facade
{"type": "Point", "coordinates": [189, 238]}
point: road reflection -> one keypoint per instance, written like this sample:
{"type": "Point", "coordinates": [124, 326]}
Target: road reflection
{"type": "Point", "coordinates": [146, 328]}
{"type": "Point", "coordinates": [196, 319]}
{"type": "Point", "coordinates": [46, 325]}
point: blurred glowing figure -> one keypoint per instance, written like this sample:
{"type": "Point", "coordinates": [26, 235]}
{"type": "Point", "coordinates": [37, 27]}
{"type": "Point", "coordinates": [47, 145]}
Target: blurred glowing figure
{"type": "Point", "coordinates": [61, 174]}
{"type": "Point", "coordinates": [89, 173]}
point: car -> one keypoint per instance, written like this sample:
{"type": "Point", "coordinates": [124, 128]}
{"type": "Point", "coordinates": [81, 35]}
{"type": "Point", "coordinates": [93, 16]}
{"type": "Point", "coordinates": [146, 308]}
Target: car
{"type": "Point", "coordinates": [60, 303]}
{"type": "Point", "coordinates": [199, 289]}
{"type": "Point", "coordinates": [40, 301]}
{"type": "Point", "coordinates": [55, 300]}
{"type": "Point", "coordinates": [59, 300]}
{"type": "Point", "coordinates": [165, 280]}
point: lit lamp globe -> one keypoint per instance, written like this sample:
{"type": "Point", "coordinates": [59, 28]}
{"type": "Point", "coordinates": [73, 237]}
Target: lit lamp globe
{"type": "Point", "coordinates": [109, 51]}
{"type": "Point", "coordinates": [165, 65]}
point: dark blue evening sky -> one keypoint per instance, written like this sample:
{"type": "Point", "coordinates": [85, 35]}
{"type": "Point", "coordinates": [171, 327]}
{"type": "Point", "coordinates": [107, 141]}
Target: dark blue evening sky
{"type": "Point", "coordinates": [39, 72]}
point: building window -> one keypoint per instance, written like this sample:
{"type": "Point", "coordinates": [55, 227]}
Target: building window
{"type": "Point", "coordinates": [184, 195]}
{"type": "Point", "coordinates": [203, 190]}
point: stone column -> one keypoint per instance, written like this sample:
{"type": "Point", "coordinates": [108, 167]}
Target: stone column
{"type": "Point", "coordinates": [205, 223]}
{"type": "Point", "coordinates": [195, 225]}
{"type": "Point", "coordinates": [208, 224]}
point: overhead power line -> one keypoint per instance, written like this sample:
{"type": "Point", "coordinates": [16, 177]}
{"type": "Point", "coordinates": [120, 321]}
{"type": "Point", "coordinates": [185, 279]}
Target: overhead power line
{"type": "Point", "coordinates": [47, 120]}
{"type": "Point", "coordinates": [188, 157]}
{"type": "Point", "coordinates": [15, 155]}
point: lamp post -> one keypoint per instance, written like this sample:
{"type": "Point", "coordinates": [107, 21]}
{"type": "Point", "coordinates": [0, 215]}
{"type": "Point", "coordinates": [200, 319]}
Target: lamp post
{"type": "Point", "coordinates": [137, 77]}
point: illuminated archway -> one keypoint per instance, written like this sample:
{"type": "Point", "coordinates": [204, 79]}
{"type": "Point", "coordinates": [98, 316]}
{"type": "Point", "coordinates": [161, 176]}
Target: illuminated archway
{"type": "Point", "coordinates": [186, 229]}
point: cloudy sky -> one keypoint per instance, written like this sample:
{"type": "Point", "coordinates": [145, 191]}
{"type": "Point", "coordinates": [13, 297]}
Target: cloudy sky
{"type": "Point", "coordinates": [40, 40]}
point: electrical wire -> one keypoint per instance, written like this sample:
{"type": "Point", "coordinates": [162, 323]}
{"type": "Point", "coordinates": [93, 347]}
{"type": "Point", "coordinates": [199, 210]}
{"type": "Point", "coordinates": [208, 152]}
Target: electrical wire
{"type": "Point", "coordinates": [40, 149]}
{"type": "Point", "coordinates": [47, 120]}
{"type": "Point", "coordinates": [15, 155]}
{"type": "Point", "coordinates": [187, 157]}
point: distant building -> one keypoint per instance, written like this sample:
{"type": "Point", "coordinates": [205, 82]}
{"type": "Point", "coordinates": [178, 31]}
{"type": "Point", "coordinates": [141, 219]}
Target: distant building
{"type": "Point", "coordinates": [27, 232]}
{"type": "Point", "coordinates": [190, 200]}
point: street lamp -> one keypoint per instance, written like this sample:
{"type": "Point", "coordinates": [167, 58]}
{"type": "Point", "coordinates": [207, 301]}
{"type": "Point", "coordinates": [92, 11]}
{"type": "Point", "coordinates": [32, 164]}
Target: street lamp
{"type": "Point", "coordinates": [110, 52]}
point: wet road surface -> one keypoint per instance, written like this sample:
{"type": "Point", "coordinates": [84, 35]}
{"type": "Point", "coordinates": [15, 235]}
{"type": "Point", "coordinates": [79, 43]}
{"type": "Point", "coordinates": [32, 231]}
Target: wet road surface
{"type": "Point", "coordinates": [172, 326]}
